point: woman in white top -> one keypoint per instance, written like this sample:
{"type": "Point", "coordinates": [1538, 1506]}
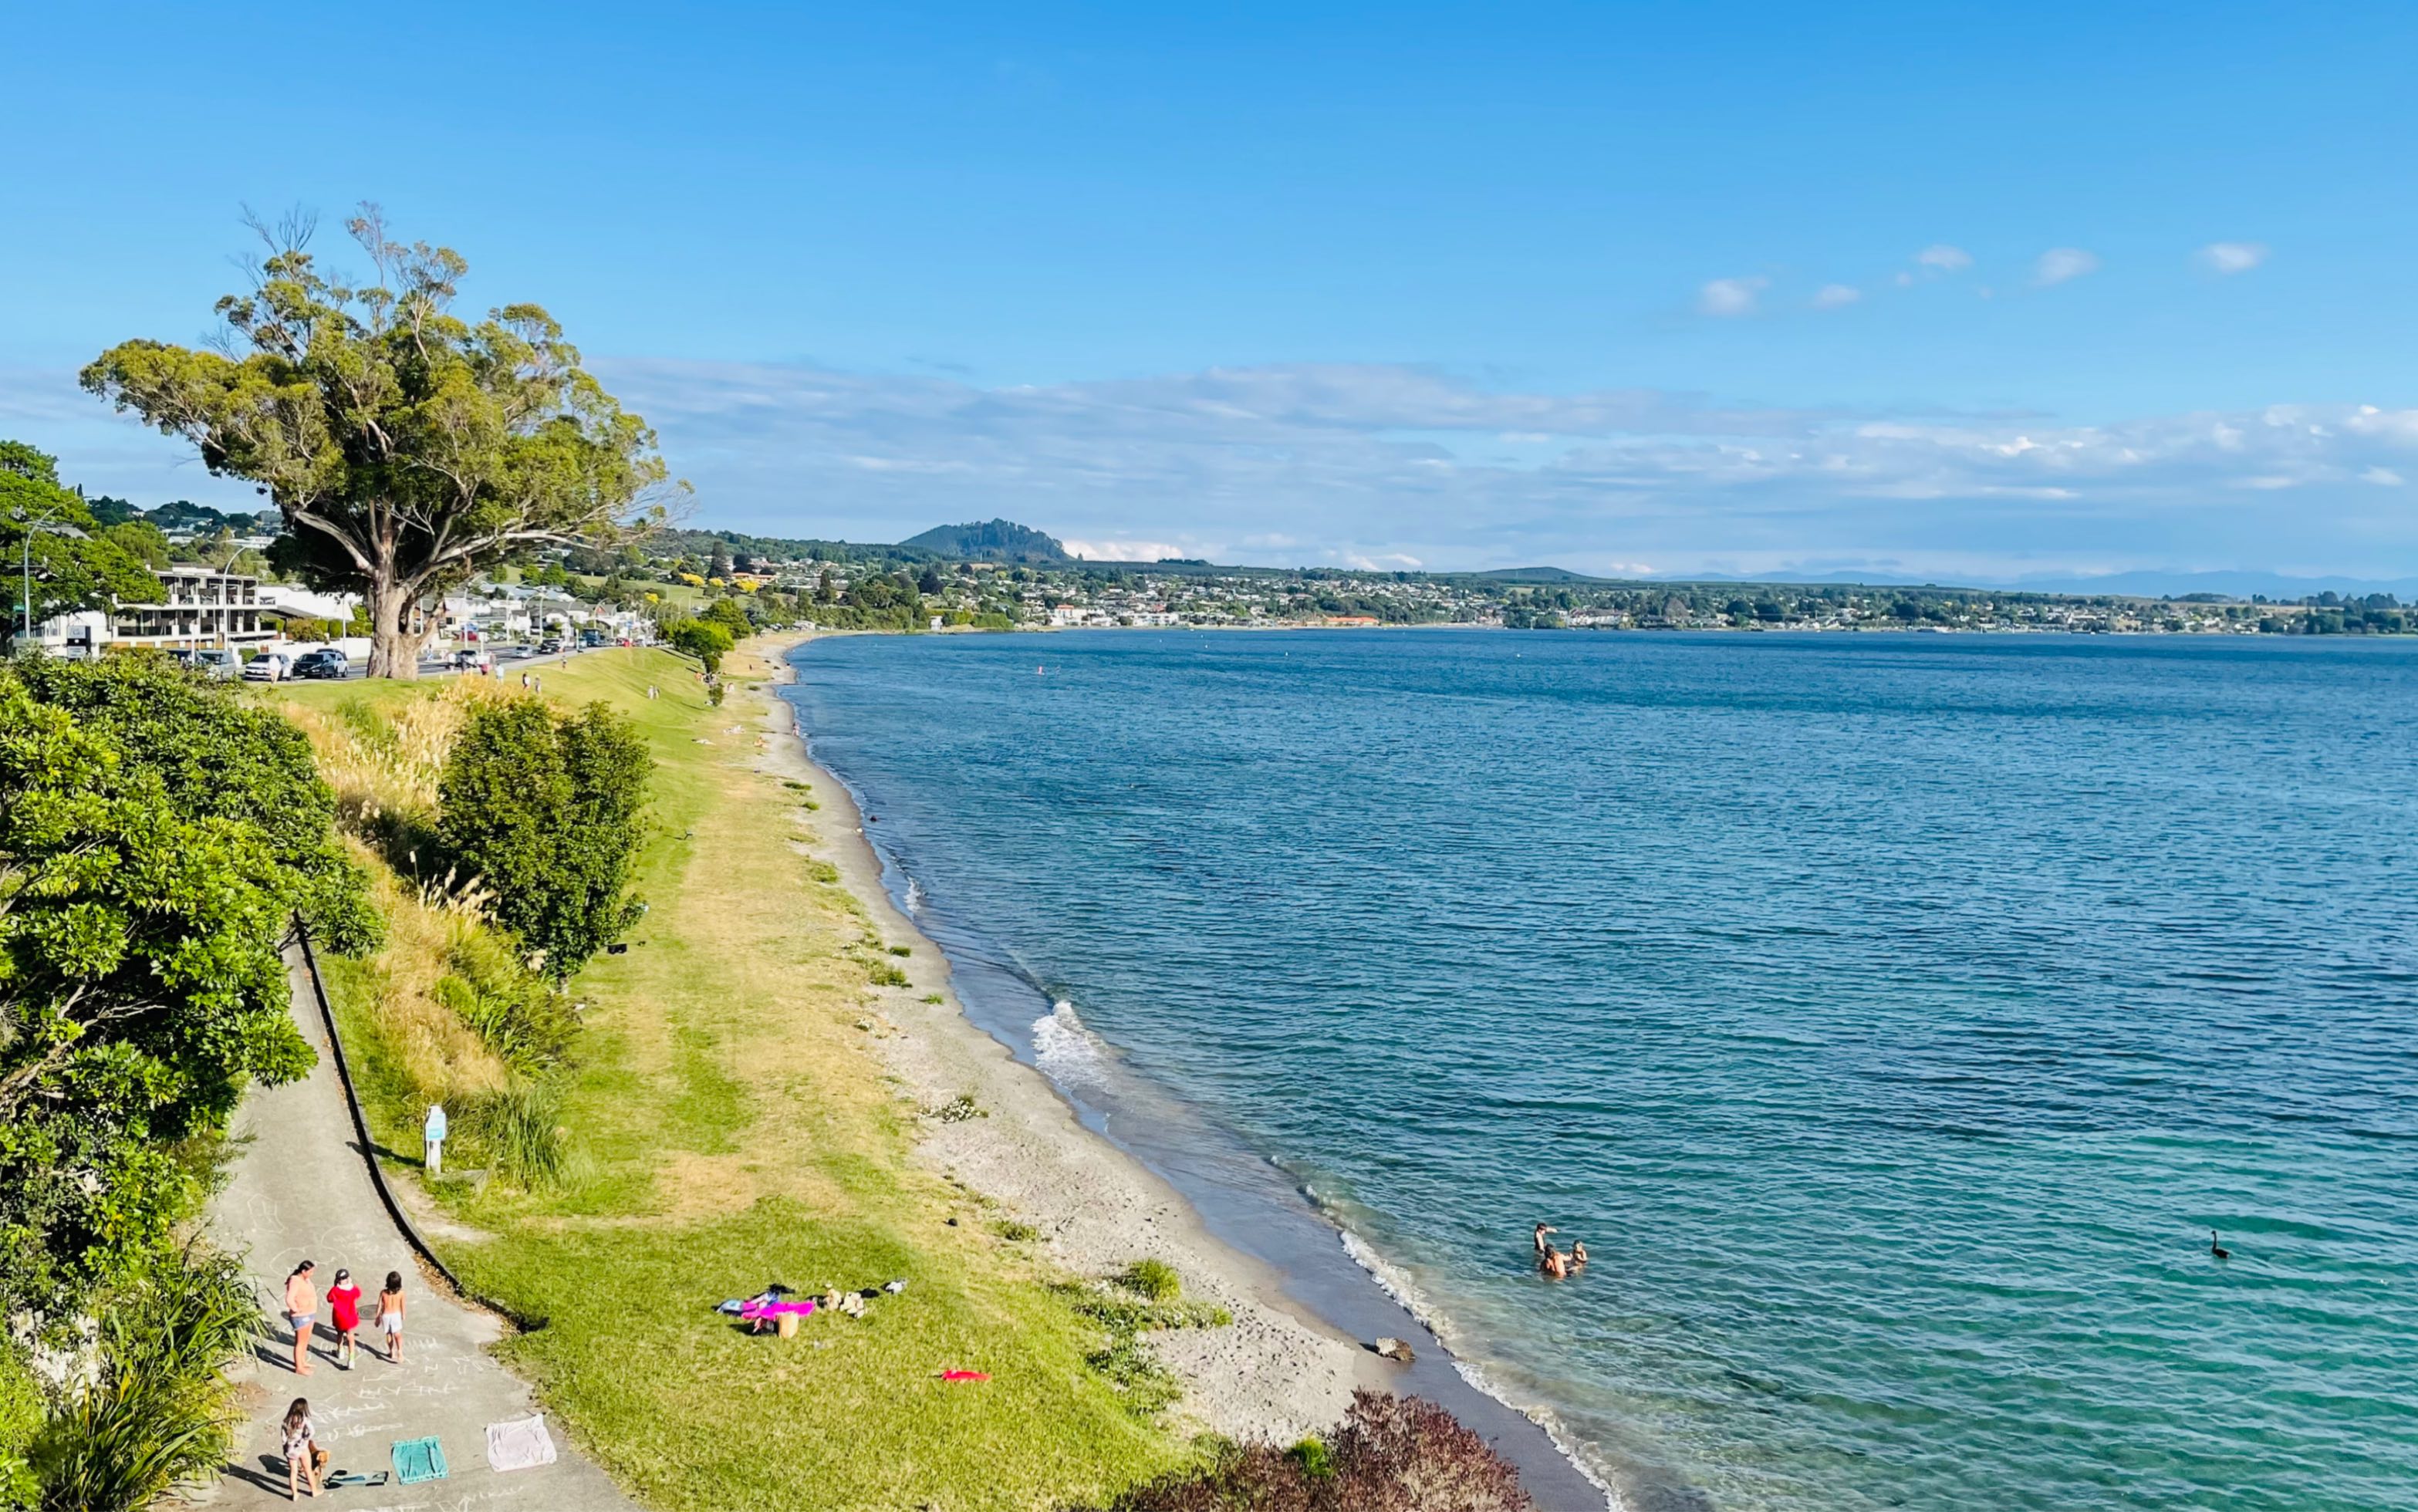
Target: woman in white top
{"type": "Point", "coordinates": [302, 1457]}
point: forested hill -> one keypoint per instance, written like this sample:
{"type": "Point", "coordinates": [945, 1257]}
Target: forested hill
{"type": "Point", "coordinates": [998, 540]}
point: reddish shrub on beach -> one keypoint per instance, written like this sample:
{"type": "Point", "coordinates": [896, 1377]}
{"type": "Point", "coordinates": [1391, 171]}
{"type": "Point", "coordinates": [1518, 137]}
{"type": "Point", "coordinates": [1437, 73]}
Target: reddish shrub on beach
{"type": "Point", "coordinates": [1390, 1454]}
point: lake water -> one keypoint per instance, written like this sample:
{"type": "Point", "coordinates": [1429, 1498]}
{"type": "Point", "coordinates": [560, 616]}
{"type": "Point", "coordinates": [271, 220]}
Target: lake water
{"type": "Point", "coordinates": [1894, 1017]}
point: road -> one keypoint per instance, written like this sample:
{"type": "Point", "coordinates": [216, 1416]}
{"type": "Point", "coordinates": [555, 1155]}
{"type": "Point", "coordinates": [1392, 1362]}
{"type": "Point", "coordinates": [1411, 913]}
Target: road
{"type": "Point", "coordinates": [507, 657]}
{"type": "Point", "coordinates": [299, 1190]}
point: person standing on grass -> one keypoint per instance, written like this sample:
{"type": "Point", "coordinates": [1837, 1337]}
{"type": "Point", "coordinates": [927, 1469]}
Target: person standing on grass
{"type": "Point", "coordinates": [432, 1134]}
{"type": "Point", "coordinates": [301, 1310]}
{"type": "Point", "coordinates": [343, 1316]}
{"type": "Point", "coordinates": [390, 1318]}
{"type": "Point", "coordinates": [302, 1455]}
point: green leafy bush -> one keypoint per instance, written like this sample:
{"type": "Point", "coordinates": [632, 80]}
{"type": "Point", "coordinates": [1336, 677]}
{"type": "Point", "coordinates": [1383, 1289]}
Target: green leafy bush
{"type": "Point", "coordinates": [545, 810]}
{"type": "Point", "coordinates": [704, 639]}
{"type": "Point", "coordinates": [139, 929]}
{"type": "Point", "coordinates": [1152, 1279]}
{"type": "Point", "coordinates": [163, 1409]}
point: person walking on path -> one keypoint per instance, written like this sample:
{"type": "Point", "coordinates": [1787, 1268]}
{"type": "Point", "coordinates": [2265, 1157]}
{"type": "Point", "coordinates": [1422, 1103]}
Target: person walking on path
{"type": "Point", "coordinates": [390, 1318]}
{"type": "Point", "coordinates": [301, 1310]}
{"type": "Point", "coordinates": [343, 1316]}
{"type": "Point", "coordinates": [433, 1134]}
{"type": "Point", "coordinates": [302, 1455]}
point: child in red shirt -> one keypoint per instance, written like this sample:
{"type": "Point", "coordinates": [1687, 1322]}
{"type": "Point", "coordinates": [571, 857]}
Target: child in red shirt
{"type": "Point", "coordinates": [345, 1315]}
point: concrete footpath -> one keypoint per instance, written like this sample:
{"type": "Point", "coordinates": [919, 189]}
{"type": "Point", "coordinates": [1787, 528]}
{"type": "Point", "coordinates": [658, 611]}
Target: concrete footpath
{"type": "Point", "coordinates": [299, 1190]}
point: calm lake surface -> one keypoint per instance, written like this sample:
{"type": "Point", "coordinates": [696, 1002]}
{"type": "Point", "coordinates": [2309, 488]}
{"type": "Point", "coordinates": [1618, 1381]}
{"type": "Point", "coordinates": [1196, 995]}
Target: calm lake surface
{"type": "Point", "coordinates": [1894, 1017]}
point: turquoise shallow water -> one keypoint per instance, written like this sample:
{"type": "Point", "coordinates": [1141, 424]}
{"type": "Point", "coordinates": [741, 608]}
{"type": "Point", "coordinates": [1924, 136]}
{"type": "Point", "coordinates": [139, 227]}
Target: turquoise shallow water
{"type": "Point", "coordinates": [1893, 1017]}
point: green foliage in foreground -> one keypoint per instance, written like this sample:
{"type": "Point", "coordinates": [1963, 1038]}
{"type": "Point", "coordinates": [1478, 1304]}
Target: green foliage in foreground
{"type": "Point", "coordinates": [142, 905]}
{"type": "Point", "coordinates": [545, 810]}
{"type": "Point", "coordinates": [163, 1409]}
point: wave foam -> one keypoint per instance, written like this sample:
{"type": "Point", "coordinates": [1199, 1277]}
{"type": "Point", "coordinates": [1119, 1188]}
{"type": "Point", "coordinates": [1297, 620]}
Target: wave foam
{"type": "Point", "coordinates": [1395, 1284]}
{"type": "Point", "coordinates": [1067, 1050]}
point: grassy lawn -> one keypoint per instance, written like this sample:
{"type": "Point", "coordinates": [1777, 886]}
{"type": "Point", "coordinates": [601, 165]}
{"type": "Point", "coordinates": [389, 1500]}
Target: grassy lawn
{"type": "Point", "coordinates": [732, 1127]}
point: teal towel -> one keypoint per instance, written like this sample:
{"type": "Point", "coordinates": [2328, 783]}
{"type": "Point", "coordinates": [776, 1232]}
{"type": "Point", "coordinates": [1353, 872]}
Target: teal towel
{"type": "Point", "coordinates": [418, 1460]}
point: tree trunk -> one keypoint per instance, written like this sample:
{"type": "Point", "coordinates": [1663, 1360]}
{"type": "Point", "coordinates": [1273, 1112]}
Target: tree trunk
{"type": "Point", "coordinates": [394, 648]}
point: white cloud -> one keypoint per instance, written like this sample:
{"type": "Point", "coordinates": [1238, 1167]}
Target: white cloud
{"type": "Point", "coordinates": [1942, 258]}
{"type": "Point", "coordinates": [1730, 297]}
{"type": "Point", "coordinates": [1314, 462]}
{"type": "Point", "coordinates": [1126, 551]}
{"type": "Point", "coordinates": [1834, 296]}
{"type": "Point", "coordinates": [2059, 264]}
{"type": "Point", "coordinates": [2231, 257]}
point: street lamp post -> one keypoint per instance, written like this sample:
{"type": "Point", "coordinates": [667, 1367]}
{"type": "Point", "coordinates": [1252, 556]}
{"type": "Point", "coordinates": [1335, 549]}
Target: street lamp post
{"type": "Point", "coordinates": [33, 528]}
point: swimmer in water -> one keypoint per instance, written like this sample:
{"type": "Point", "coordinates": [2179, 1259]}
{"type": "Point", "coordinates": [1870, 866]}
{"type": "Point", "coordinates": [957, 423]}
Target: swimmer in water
{"type": "Point", "coordinates": [1556, 1266]}
{"type": "Point", "coordinates": [1543, 1249]}
{"type": "Point", "coordinates": [1578, 1253]}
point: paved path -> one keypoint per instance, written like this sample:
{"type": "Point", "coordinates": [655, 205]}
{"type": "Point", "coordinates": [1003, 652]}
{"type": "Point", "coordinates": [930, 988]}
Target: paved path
{"type": "Point", "coordinates": [299, 1190]}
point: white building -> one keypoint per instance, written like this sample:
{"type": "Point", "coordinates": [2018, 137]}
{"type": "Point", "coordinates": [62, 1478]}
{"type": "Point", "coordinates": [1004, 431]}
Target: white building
{"type": "Point", "coordinates": [202, 608]}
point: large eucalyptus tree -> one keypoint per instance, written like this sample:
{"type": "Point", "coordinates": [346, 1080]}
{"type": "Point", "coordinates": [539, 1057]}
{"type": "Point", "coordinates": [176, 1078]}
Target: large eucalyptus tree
{"type": "Point", "coordinates": [406, 445]}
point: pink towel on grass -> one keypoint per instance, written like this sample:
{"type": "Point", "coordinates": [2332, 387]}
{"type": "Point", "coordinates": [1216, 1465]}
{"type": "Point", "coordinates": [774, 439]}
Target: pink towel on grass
{"type": "Point", "coordinates": [774, 1309]}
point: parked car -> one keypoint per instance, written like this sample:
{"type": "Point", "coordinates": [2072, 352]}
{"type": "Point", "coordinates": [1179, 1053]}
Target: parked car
{"type": "Point", "coordinates": [269, 666]}
{"type": "Point", "coordinates": [325, 662]}
{"type": "Point", "coordinates": [216, 664]}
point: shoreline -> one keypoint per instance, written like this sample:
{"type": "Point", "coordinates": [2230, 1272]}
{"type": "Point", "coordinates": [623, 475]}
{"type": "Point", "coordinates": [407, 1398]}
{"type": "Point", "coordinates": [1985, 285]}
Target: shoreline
{"type": "Point", "coordinates": [1287, 1365]}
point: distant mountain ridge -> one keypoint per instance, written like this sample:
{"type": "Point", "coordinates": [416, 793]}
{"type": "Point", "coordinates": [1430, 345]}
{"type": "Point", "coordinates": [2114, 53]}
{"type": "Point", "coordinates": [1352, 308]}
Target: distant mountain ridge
{"type": "Point", "coordinates": [990, 540]}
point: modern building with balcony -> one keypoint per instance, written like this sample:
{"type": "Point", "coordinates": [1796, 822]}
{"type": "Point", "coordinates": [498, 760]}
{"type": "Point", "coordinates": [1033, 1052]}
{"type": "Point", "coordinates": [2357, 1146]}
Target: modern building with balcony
{"type": "Point", "coordinates": [203, 607]}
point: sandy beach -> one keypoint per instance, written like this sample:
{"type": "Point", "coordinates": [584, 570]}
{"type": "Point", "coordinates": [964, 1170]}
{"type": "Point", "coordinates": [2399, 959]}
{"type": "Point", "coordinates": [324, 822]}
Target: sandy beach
{"type": "Point", "coordinates": [1276, 1373]}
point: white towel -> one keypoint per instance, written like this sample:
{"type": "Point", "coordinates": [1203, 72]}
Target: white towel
{"type": "Point", "coordinates": [522, 1444]}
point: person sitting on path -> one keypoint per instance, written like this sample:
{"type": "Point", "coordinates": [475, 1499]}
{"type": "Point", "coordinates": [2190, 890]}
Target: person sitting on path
{"type": "Point", "coordinates": [390, 1317]}
{"type": "Point", "coordinates": [343, 1316]}
{"type": "Point", "coordinates": [302, 1455]}
{"type": "Point", "coordinates": [301, 1310]}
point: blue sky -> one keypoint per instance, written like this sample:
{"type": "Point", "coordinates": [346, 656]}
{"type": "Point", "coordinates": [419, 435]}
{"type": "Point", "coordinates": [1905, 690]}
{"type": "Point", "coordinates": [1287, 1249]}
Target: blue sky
{"type": "Point", "coordinates": [1934, 290]}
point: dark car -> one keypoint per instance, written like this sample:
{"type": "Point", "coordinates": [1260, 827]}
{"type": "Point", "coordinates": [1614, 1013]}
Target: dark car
{"type": "Point", "coordinates": [325, 662]}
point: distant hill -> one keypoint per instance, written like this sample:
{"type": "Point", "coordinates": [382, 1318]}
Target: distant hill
{"type": "Point", "coordinates": [996, 540]}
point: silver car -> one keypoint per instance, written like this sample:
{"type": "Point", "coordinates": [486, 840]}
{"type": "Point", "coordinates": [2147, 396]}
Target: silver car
{"type": "Point", "coordinates": [216, 664]}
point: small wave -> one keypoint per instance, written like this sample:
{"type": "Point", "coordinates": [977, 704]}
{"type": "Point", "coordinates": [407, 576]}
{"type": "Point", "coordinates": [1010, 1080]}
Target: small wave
{"type": "Point", "coordinates": [1067, 1050]}
{"type": "Point", "coordinates": [1392, 1281]}
{"type": "Point", "coordinates": [914, 899]}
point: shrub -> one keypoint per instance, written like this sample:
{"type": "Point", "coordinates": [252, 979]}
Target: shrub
{"type": "Point", "coordinates": [1152, 1279]}
{"type": "Point", "coordinates": [902, 950]}
{"type": "Point", "coordinates": [883, 974]}
{"type": "Point", "coordinates": [545, 810]}
{"type": "Point", "coordinates": [1145, 1386]}
{"type": "Point", "coordinates": [1018, 1232]}
{"type": "Point", "coordinates": [163, 1409]}
{"type": "Point", "coordinates": [520, 1131]}
{"type": "Point", "coordinates": [1390, 1454]}
{"type": "Point", "coordinates": [704, 639]}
